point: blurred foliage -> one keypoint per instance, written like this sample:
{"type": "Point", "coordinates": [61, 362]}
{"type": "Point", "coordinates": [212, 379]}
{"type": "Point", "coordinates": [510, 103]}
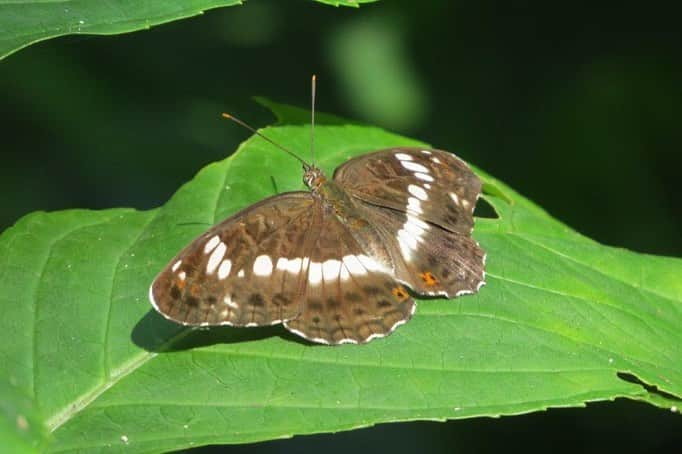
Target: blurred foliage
{"type": "Point", "coordinates": [577, 108]}
{"type": "Point", "coordinates": [375, 73]}
{"type": "Point", "coordinates": [582, 119]}
{"type": "Point", "coordinates": [25, 22]}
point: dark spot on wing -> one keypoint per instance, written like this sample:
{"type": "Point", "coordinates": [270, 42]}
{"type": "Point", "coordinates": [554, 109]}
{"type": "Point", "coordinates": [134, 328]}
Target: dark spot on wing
{"type": "Point", "coordinates": [315, 305]}
{"type": "Point", "coordinates": [371, 290]}
{"type": "Point", "coordinates": [383, 303]}
{"type": "Point", "coordinates": [354, 297]}
{"type": "Point", "coordinates": [256, 300]}
{"type": "Point", "coordinates": [279, 299]}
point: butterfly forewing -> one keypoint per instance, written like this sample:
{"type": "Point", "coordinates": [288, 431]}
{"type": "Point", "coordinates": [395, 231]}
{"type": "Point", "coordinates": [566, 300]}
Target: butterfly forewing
{"type": "Point", "coordinates": [434, 185]}
{"type": "Point", "coordinates": [246, 271]}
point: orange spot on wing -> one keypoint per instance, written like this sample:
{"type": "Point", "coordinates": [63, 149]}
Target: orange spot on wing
{"type": "Point", "coordinates": [399, 293]}
{"type": "Point", "coordinates": [429, 278]}
{"type": "Point", "coordinates": [180, 284]}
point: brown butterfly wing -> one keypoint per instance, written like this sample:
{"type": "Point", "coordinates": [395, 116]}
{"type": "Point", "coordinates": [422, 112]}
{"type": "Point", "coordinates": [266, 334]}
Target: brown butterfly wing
{"type": "Point", "coordinates": [428, 258]}
{"type": "Point", "coordinates": [246, 271]}
{"type": "Point", "coordinates": [290, 259]}
{"type": "Point", "coordinates": [351, 295]}
{"type": "Point", "coordinates": [422, 202]}
{"type": "Point", "coordinates": [286, 259]}
{"type": "Point", "coordinates": [435, 185]}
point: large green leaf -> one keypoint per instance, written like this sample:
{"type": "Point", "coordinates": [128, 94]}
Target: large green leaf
{"type": "Point", "coordinates": [22, 428]}
{"type": "Point", "coordinates": [562, 321]}
{"type": "Point", "coordinates": [24, 22]}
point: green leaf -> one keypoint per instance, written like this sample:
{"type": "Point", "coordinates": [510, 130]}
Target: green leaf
{"type": "Point", "coordinates": [352, 3]}
{"type": "Point", "coordinates": [24, 22]}
{"type": "Point", "coordinates": [21, 425]}
{"type": "Point", "coordinates": [562, 321]}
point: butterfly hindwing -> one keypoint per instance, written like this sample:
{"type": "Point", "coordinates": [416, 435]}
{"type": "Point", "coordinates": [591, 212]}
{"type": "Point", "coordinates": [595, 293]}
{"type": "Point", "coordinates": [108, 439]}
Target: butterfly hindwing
{"type": "Point", "coordinates": [246, 271]}
{"type": "Point", "coordinates": [285, 260]}
{"type": "Point", "coordinates": [428, 258]}
{"type": "Point", "coordinates": [422, 202]}
{"type": "Point", "coordinates": [351, 295]}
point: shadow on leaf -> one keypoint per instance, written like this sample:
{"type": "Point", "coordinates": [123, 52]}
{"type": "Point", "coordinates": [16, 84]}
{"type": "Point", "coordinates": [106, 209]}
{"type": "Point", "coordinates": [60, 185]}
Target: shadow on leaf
{"type": "Point", "coordinates": [156, 334]}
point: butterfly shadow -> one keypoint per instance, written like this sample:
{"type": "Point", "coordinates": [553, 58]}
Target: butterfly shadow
{"type": "Point", "coordinates": [156, 334]}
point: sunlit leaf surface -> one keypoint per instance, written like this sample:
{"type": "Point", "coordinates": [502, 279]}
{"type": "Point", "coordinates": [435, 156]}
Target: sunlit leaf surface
{"type": "Point", "coordinates": [562, 321]}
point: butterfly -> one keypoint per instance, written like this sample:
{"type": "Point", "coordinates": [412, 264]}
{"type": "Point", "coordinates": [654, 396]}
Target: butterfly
{"type": "Point", "coordinates": [334, 264]}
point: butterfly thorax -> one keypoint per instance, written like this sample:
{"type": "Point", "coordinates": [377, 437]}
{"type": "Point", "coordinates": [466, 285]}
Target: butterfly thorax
{"type": "Point", "coordinates": [313, 177]}
{"type": "Point", "coordinates": [333, 197]}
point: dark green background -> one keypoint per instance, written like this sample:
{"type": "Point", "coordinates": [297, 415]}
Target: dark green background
{"type": "Point", "coordinates": [578, 108]}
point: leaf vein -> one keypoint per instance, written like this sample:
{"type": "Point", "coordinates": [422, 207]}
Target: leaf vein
{"type": "Point", "coordinates": [107, 325]}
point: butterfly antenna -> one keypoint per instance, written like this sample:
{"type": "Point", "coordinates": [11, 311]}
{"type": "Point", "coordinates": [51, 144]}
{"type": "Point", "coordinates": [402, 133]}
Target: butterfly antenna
{"type": "Point", "coordinates": [312, 119]}
{"type": "Point", "coordinates": [264, 137]}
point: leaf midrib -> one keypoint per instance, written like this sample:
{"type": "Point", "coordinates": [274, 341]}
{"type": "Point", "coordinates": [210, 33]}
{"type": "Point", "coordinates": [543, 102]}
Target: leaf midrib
{"type": "Point", "coordinates": [136, 362]}
{"type": "Point", "coordinates": [105, 357]}
{"type": "Point", "coordinates": [61, 417]}
{"type": "Point", "coordinates": [43, 267]}
{"type": "Point", "coordinates": [83, 400]}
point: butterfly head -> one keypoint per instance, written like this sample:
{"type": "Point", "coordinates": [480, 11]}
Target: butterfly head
{"type": "Point", "coordinates": [313, 177]}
